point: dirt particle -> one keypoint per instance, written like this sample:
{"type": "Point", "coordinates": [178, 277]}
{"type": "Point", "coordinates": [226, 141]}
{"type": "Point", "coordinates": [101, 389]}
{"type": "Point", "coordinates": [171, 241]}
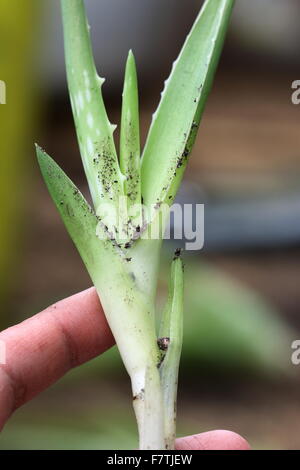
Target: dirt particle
{"type": "Point", "coordinates": [163, 343]}
{"type": "Point", "coordinates": [177, 253]}
{"type": "Point", "coordinates": [140, 395]}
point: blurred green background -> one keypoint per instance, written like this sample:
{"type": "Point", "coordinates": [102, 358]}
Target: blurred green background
{"type": "Point", "coordinates": [242, 290]}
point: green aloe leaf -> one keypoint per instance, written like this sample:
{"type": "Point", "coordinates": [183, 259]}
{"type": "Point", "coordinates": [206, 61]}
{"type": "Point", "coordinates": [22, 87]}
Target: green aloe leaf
{"type": "Point", "coordinates": [94, 131]}
{"type": "Point", "coordinates": [79, 218]}
{"type": "Point", "coordinates": [96, 249]}
{"type": "Point", "coordinates": [174, 124]}
{"type": "Point", "coordinates": [130, 134]}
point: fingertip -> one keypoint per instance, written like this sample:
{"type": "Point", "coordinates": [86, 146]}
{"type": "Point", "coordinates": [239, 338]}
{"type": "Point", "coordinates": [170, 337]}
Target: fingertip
{"type": "Point", "coordinates": [213, 440]}
{"type": "Point", "coordinates": [232, 440]}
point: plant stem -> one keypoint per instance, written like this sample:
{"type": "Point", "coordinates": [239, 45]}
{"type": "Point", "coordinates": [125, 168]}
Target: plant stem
{"type": "Point", "coordinates": [149, 411]}
{"type": "Point", "coordinates": [171, 330]}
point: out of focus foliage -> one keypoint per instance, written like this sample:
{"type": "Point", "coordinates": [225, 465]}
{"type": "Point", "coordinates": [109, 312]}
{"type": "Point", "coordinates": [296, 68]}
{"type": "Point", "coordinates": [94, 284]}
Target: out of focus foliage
{"type": "Point", "coordinates": [17, 28]}
{"type": "Point", "coordinates": [230, 326]}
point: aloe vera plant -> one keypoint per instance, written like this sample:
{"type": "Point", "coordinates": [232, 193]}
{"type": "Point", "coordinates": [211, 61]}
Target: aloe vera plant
{"type": "Point", "coordinates": [121, 255]}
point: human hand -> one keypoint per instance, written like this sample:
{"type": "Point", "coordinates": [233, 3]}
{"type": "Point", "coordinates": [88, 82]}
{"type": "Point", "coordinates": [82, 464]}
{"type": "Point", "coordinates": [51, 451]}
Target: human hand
{"type": "Point", "coordinates": [40, 350]}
